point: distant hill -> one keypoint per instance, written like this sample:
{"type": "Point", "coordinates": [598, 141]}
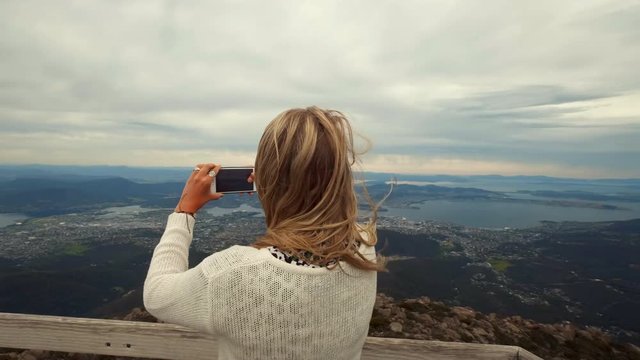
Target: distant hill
{"type": "Point", "coordinates": [40, 197]}
{"type": "Point", "coordinates": [407, 195]}
{"type": "Point", "coordinates": [160, 186]}
{"type": "Point", "coordinates": [170, 174]}
{"type": "Point", "coordinates": [582, 195]}
{"type": "Point", "coordinates": [36, 196]}
{"type": "Point", "coordinates": [461, 179]}
{"type": "Point", "coordinates": [71, 173]}
{"type": "Point", "coordinates": [43, 197]}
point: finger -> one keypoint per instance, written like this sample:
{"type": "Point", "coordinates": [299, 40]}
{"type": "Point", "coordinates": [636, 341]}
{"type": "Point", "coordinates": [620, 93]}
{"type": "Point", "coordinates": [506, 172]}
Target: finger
{"type": "Point", "coordinates": [206, 180]}
{"type": "Point", "coordinates": [212, 169]}
{"type": "Point", "coordinates": [196, 170]}
{"type": "Point", "coordinates": [216, 169]}
{"type": "Point", "coordinates": [212, 173]}
{"type": "Point", "coordinates": [206, 168]}
{"type": "Point", "coordinates": [251, 177]}
{"type": "Point", "coordinates": [215, 196]}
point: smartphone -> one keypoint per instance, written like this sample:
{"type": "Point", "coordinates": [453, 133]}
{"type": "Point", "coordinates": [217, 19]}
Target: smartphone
{"type": "Point", "coordinates": [233, 180]}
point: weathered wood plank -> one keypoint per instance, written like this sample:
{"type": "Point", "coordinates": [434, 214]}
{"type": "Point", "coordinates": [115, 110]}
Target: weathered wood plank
{"type": "Point", "coordinates": [405, 349]}
{"type": "Point", "coordinates": [166, 341]}
{"type": "Point", "coordinates": [107, 337]}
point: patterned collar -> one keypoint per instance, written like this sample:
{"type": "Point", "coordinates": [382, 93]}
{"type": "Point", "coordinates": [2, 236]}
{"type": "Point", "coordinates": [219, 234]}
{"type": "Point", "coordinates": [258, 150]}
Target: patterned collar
{"type": "Point", "coordinates": [291, 259]}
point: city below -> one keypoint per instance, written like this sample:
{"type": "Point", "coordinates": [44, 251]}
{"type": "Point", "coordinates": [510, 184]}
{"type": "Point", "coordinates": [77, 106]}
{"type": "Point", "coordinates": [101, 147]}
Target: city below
{"type": "Point", "coordinates": [558, 271]}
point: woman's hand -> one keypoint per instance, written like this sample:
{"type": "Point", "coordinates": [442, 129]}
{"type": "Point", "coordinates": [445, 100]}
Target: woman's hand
{"type": "Point", "coordinates": [197, 190]}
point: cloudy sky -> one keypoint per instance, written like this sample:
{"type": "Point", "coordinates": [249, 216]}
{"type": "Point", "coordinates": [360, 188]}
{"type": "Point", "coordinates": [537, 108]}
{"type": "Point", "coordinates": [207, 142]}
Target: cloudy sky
{"type": "Point", "coordinates": [447, 87]}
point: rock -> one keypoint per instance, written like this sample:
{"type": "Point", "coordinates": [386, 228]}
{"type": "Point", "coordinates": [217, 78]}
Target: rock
{"type": "Point", "coordinates": [466, 336]}
{"type": "Point", "coordinates": [27, 355]}
{"type": "Point", "coordinates": [383, 300]}
{"type": "Point", "coordinates": [568, 332]}
{"type": "Point", "coordinates": [418, 306]}
{"type": "Point", "coordinates": [451, 322]}
{"type": "Point", "coordinates": [464, 314]}
{"type": "Point", "coordinates": [138, 314]}
{"type": "Point", "coordinates": [9, 356]}
{"type": "Point", "coordinates": [425, 300]}
{"type": "Point", "coordinates": [426, 319]}
{"type": "Point", "coordinates": [451, 335]}
{"type": "Point", "coordinates": [398, 314]}
{"type": "Point", "coordinates": [395, 327]}
{"type": "Point", "coordinates": [378, 320]}
{"type": "Point", "coordinates": [532, 326]}
{"type": "Point", "coordinates": [634, 350]}
{"type": "Point", "coordinates": [478, 332]}
{"type": "Point", "coordinates": [80, 356]}
{"type": "Point", "coordinates": [484, 324]}
{"type": "Point", "coordinates": [512, 328]}
{"type": "Point", "coordinates": [585, 334]}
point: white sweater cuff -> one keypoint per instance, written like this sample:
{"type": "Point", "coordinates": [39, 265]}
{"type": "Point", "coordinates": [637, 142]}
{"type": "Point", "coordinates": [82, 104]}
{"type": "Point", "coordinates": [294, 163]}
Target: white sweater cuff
{"type": "Point", "coordinates": [182, 221]}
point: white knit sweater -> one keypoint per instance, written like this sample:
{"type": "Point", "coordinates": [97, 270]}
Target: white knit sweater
{"type": "Point", "coordinates": [260, 307]}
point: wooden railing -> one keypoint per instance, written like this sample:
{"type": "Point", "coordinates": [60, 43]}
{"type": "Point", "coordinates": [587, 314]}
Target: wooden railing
{"type": "Point", "coordinates": [166, 341]}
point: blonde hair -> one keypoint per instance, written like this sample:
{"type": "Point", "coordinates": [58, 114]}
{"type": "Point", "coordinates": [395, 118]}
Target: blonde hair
{"type": "Point", "coordinates": [305, 182]}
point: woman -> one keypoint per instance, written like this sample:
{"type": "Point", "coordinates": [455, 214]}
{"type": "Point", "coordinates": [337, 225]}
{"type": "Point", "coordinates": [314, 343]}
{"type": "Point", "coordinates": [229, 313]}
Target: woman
{"type": "Point", "coordinates": [304, 290]}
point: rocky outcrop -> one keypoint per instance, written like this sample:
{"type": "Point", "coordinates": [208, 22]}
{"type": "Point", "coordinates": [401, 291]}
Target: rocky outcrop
{"type": "Point", "coordinates": [425, 319]}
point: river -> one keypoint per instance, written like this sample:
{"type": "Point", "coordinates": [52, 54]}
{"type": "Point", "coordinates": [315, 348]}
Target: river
{"type": "Point", "coordinates": [7, 219]}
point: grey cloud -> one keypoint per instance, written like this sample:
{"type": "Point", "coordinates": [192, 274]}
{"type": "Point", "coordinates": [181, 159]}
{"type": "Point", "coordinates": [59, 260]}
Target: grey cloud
{"type": "Point", "coordinates": [475, 80]}
{"type": "Point", "coordinates": [527, 96]}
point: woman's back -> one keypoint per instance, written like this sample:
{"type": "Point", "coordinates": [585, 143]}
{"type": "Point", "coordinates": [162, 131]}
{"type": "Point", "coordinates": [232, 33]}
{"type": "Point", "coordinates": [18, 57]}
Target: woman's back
{"type": "Point", "coordinates": [259, 306]}
{"type": "Point", "coordinates": [294, 312]}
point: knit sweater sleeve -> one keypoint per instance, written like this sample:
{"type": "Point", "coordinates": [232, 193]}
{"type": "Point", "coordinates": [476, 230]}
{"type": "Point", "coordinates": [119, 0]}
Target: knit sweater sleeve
{"type": "Point", "coordinates": [173, 292]}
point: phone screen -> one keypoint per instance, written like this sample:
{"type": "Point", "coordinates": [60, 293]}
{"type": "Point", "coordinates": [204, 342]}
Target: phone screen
{"type": "Point", "coordinates": [233, 180]}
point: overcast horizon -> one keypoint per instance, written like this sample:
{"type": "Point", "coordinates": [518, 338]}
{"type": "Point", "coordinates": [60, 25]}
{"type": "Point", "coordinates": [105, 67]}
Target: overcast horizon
{"type": "Point", "coordinates": [439, 87]}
